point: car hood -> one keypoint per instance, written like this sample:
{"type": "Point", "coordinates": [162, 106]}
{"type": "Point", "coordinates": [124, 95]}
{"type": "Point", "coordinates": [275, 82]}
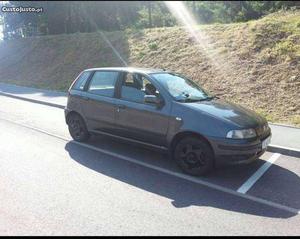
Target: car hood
{"type": "Point", "coordinates": [229, 112]}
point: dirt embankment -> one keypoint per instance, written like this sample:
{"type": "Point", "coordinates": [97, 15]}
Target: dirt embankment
{"type": "Point", "coordinates": [256, 64]}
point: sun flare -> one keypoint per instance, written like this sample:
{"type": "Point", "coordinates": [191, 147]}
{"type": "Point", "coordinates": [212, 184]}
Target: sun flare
{"type": "Point", "coordinates": [202, 38]}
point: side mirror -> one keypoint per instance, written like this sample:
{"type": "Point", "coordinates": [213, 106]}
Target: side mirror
{"type": "Point", "coordinates": [152, 99]}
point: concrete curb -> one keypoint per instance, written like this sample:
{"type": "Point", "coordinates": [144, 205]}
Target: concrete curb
{"type": "Point", "coordinates": [271, 148]}
{"type": "Point", "coordinates": [33, 100]}
{"type": "Point", "coordinates": [284, 150]}
{"type": "Point", "coordinates": [62, 93]}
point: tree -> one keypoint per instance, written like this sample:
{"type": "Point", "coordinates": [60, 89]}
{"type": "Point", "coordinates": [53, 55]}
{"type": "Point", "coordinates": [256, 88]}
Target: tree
{"type": "Point", "coordinates": [70, 17]}
{"type": "Point", "coordinates": [149, 13]}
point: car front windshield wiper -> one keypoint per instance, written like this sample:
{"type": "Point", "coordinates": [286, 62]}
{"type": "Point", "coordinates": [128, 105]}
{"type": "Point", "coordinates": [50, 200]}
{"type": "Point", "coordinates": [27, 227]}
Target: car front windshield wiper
{"type": "Point", "coordinates": [212, 97]}
{"type": "Point", "coordinates": [191, 99]}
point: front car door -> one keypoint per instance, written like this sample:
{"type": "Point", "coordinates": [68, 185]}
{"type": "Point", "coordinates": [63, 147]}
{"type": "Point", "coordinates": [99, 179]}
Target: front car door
{"type": "Point", "coordinates": [99, 109]}
{"type": "Point", "coordinates": [136, 119]}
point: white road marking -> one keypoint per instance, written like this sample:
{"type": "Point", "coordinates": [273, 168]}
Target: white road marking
{"type": "Point", "coordinates": [253, 179]}
{"type": "Point", "coordinates": [169, 172]}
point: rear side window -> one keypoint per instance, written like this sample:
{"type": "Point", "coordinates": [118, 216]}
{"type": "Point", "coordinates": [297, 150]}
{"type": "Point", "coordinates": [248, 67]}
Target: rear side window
{"type": "Point", "coordinates": [80, 83]}
{"type": "Point", "coordinates": [103, 83]}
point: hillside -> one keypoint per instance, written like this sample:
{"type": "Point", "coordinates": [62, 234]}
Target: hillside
{"type": "Point", "coordinates": [256, 64]}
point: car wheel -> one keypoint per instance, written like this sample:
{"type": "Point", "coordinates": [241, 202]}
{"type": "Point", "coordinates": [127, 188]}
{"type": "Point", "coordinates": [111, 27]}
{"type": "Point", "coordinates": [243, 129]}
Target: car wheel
{"type": "Point", "coordinates": [194, 156]}
{"type": "Point", "coordinates": [77, 128]}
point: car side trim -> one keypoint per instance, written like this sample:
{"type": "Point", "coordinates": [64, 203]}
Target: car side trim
{"type": "Point", "coordinates": [130, 140]}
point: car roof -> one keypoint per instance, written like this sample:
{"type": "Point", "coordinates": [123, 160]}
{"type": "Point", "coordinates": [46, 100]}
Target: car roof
{"type": "Point", "coordinates": [128, 69]}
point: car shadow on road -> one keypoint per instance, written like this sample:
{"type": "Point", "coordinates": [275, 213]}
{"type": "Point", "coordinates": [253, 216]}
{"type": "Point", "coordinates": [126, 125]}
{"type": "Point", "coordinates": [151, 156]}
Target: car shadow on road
{"type": "Point", "coordinates": [182, 193]}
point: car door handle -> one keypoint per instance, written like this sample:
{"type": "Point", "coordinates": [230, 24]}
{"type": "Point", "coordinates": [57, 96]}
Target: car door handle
{"type": "Point", "coordinates": [121, 106]}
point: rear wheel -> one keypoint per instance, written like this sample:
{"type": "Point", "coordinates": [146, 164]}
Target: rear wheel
{"type": "Point", "coordinates": [194, 156]}
{"type": "Point", "coordinates": [77, 128]}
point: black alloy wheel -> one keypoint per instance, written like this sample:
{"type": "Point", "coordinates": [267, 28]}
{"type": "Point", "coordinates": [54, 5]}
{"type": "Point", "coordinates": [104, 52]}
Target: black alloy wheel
{"type": "Point", "coordinates": [194, 156]}
{"type": "Point", "coordinates": [77, 128]}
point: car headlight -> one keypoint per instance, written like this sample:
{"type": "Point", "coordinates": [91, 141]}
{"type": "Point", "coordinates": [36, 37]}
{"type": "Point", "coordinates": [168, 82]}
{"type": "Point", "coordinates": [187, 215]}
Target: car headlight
{"type": "Point", "coordinates": [241, 134]}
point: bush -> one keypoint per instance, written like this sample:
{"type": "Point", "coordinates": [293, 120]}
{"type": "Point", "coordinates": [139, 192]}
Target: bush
{"type": "Point", "coordinates": [153, 46]}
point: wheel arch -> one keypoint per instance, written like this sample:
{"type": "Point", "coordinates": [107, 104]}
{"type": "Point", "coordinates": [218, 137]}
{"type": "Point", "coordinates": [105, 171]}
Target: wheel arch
{"type": "Point", "coordinates": [70, 113]}
{"type": "Point", "coordinates": [179, 136]}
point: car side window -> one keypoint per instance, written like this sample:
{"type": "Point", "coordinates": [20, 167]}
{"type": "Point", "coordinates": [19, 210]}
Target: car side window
{"type": "Point", "coordinates": [103, 83]}
{"type": "Point", "coordinates": [80, 83]}
{"type": "Point", "coordinates": [135, 87]}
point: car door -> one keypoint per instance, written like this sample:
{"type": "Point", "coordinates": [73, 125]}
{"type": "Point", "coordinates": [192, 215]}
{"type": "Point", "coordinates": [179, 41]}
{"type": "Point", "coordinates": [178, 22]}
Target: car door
{"type": "Point", "coordinates": [99, 108]}
{"type": "Point", "coordinates": [135, 119]}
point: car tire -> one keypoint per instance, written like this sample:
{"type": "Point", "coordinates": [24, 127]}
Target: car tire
{"type": "Point", "coordinates": [194, 156]}
{"type": "Point", "coordinates": [77, 128]}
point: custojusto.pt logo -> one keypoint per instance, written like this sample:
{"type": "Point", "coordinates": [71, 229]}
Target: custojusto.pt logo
{"type": "Point", "coordinates": [20, 9]}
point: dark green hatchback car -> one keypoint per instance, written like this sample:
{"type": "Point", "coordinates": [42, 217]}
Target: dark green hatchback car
{"type": "Point", "coordinates": [165, 110]}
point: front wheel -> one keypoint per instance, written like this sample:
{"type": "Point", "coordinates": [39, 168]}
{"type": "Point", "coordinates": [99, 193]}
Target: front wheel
{"type": "Point", "coordinates": [194, 156]}
{"type": "Point", "coordinates": [77, 128]}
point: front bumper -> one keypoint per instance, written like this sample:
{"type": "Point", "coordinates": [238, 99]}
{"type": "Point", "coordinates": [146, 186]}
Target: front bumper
{"type": "Point", "coordinates": [233, 151]}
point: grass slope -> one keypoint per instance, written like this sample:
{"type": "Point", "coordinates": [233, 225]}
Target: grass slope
{"type": "Point", "coordinates": [256, 64]}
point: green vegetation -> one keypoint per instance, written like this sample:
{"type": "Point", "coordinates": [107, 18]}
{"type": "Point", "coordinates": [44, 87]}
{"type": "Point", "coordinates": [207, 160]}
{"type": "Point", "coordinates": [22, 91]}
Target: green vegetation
{"type": "Point", "coordinates": [296, 120]}
{"type": "Point", "coordinates": [284, 33]}
{"type": "Point", "coordinates": [71, 17]}
{"type": "Point", "coordinates": [153, 46]}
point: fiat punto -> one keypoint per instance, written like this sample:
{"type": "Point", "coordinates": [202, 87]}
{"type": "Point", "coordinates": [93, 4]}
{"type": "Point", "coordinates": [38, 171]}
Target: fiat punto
{"type": "Point", "coordinates": [168, 111]}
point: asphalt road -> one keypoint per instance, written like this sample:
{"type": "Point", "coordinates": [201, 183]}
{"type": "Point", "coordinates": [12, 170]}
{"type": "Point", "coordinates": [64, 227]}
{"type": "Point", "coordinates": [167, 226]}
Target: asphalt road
{"type": "Point", "coordinates": [50, 185]}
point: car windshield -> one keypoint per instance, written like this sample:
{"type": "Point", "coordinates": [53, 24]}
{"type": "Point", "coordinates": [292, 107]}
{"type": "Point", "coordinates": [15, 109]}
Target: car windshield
{"type": "Point", "coordinates": [181, 88]}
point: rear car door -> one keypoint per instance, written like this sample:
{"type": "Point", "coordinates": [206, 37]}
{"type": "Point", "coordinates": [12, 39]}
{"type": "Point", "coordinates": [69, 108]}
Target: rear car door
{"type": "Point", "coordinates": [136, 119]}
{"type": "Point", "coordinates": [99, 107]}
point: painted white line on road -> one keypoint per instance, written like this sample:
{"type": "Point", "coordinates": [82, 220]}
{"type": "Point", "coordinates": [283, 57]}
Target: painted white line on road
{"type": "Point", "coordinates": [169, 172]}
{"type": "Point", "coordinates": [257, 175]}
